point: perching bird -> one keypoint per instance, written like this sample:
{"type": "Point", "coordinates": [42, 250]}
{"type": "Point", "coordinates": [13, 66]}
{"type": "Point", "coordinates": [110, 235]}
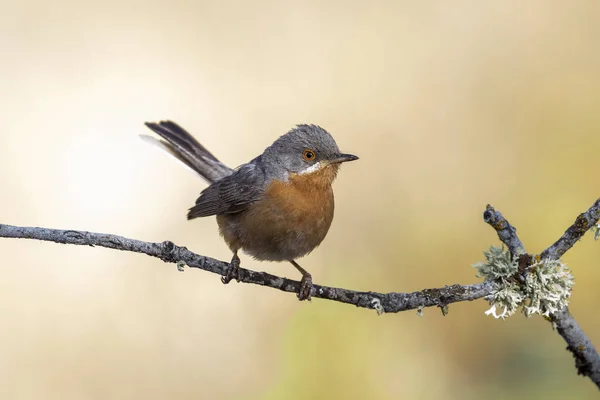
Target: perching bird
{"type": "Point", "coordinates": [277, 207]}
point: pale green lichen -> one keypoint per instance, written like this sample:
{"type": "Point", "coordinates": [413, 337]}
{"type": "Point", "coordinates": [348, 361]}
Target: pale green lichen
{"type": "Point", "coordinates": [377, 306]}
{"type": "Point", "coordinates": [548, 287]}
{"type": "Point", "coordinates": [444, 309]}
{"type": "Point", "coordinates": [181, 265]}
{"type": "Point", "coordinates": [498, 265]}
{"type": "Point", "coordinates": [596, 230]}
{"type": "Point", "coordinates": [505, 301]}
{"type": "Point", "coordinates": [420, 311]}
{"type": "Point", "coordinates": [544, 290]}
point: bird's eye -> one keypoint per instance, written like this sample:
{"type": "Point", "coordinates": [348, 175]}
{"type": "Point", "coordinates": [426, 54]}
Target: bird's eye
{"type": "Point", "coordinates": [308, 155]}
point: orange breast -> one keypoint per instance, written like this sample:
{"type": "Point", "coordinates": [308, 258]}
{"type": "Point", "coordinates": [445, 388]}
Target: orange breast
{"type": "Point", "coordinates": [288, 222]}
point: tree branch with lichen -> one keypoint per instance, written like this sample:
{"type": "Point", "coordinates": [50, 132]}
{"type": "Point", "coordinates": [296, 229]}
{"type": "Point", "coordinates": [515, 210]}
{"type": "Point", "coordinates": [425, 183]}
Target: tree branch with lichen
{"type": "Point", "coordinates": [587, 360]}
{"type": "Point", "coordinates": [515, 270]}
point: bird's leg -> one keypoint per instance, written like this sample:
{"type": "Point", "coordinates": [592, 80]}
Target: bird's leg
{"type": "Point", "coordinates": [233, 272]}
{"type": "Point", "coordinates": [306, 284]}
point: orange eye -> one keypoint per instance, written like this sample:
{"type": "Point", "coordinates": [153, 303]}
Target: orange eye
{"type": "Point", "coordinates": [308, 155]}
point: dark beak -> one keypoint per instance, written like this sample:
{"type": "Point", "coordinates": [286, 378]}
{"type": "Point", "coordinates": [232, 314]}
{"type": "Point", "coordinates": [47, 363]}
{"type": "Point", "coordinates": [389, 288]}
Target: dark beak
{"type": "Point", "coordinates": [340, 158]}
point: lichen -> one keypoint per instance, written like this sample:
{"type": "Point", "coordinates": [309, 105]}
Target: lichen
{"type": "Point", "coordinates": [545, 288]}
{"type": "Point", "coordinates": [377, 306]}
{"type": "Point", "coordinates": [596, 230]}
{"type": "Point", "coordinates": [548, 286]}
{"type": "Point", "coordinates": [508, 299]}
{"type": "Point", "coordinates": [498, 265]}
{"type": "Point", "coordinates": [444, 309]}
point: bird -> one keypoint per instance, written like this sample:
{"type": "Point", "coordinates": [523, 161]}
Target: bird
{"type": "Point", "coordinates": [277, 207]}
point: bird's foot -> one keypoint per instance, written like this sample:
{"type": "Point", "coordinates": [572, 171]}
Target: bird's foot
{"type": "Point", "coordinates": [306, 286]}
{"type": "Point", "coordinates": [233, 271]}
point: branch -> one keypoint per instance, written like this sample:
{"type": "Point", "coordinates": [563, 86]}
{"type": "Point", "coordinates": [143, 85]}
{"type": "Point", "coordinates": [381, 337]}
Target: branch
{"type": "Point", "coordinates": [582, 224]}
{"type": "Point", "coordinates": [170, 253]}
{"type": "Point", "coordinates": [506, 232]}
{"type": "Point", "coordinates": [587, 360]}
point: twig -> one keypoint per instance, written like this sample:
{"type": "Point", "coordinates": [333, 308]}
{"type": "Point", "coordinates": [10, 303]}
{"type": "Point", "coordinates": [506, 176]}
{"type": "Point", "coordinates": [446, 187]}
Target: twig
{"type": "Point", "coordinates": [169, 252]}
{"type": "Point", "coordinates": [582, 224]}
{"type": "Point", "coordinates": [506, 232]}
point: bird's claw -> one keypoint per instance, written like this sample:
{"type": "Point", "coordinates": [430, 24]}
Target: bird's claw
{"type": "Point", "coordinates": [233, 271]}
{"type": "Point", "coordinates": [306, 286]}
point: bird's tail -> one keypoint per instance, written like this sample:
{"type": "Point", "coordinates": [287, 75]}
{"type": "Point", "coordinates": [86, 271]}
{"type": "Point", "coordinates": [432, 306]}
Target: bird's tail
{"type": "Point", "coordinates": [181, 145]}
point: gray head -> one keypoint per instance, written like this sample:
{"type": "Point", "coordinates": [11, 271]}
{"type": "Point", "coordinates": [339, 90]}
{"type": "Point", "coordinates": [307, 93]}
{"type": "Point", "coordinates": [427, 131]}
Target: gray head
{"type": "Point", "coordinates": [303, 150]}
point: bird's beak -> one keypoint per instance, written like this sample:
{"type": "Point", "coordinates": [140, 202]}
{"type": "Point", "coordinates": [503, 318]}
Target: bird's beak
{"type": "Point", "coordinates": [340, 158]}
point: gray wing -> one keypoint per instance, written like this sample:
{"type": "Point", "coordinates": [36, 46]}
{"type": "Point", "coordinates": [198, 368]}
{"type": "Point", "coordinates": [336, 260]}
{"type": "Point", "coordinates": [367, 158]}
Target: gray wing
{"type": "Point", "coordinates": [232, 194]}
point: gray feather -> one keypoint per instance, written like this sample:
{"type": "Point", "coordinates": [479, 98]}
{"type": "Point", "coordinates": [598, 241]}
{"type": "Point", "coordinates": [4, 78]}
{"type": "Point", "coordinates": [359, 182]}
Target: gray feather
{"type": "Point", "coordinates": [232, 194]}
{"type": "Point", "coordinates": [180, 144]}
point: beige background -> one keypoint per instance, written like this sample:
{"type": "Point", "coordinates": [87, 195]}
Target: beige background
{"type": "Point", "coordinates": [450, 105]}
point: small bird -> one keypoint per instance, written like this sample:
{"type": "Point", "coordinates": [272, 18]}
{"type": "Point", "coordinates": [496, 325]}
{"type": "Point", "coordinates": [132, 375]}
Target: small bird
{"type": "Point", "coordinates": [277, 207]}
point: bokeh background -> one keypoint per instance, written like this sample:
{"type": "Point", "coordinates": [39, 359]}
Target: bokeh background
{"type": "Point", "coordinates": [450, 105]}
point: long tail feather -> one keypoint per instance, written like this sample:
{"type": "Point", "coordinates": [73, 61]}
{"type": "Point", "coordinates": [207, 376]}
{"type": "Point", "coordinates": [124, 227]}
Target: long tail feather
{"type": "Point", "coordinates": [180, 144]}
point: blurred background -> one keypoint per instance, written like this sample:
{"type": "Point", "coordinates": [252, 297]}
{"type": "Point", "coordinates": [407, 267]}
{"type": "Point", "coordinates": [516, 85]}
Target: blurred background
{"type": "Point", "coordinates": [450, 106]}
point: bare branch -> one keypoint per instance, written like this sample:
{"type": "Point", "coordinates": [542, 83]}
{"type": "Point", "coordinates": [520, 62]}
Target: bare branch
{"type": "Point", "coordinates": [169, 252]}
{"type": "Point", "coordinates": [582, 224]}
{"type": "Point", "coordinates": [587, 361]}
